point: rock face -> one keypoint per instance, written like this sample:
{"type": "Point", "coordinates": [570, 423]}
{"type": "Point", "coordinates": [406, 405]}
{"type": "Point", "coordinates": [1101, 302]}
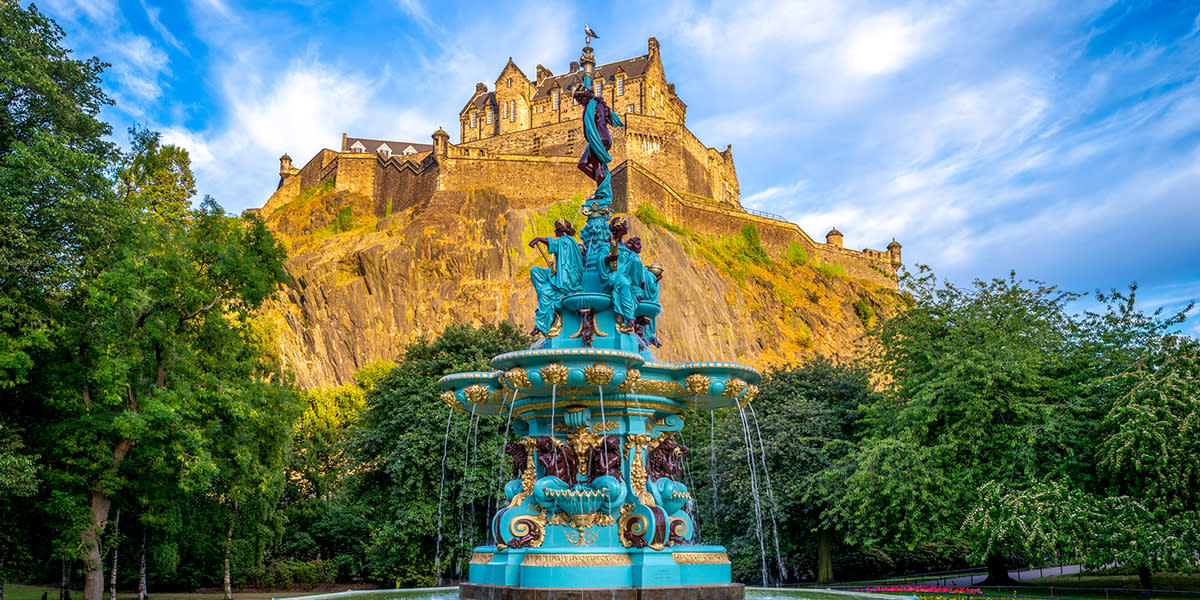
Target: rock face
{"type": "Point", "coordinates": [363, 285]}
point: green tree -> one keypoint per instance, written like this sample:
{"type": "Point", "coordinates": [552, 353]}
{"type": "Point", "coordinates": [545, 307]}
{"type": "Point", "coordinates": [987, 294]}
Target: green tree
{"type": "Point", "coordinates": [55, 201]}
{"type": "Point", "coordinates": [399, 444]}
{"type": "Point", "coordinates": [987, 398]}
{"type": "Point", "coordinates": [1149, 516]}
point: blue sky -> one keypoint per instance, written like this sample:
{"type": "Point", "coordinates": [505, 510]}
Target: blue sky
{"type": "Point", "coordinates": [1059, 140]}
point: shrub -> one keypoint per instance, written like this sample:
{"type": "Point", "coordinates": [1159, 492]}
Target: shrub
{"type": "Point", "coordinates": [345, 219]}
{"type": "Point", "coordinates": [751, 245]}
{"type": "Point", "coordinates": [831, 270]}
{"type": "Point", "coordinates": [796, 255]}
{"type": "Point", "coordinates": [865, 312]}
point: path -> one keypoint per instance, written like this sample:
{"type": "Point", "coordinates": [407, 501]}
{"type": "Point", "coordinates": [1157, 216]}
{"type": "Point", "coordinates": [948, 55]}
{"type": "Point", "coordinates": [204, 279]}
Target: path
{"type": "Point", "coordinates": [1020, 575]}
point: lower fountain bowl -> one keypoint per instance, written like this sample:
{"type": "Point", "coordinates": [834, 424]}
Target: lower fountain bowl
{"type": "Point", "coordinates": [596, 302]}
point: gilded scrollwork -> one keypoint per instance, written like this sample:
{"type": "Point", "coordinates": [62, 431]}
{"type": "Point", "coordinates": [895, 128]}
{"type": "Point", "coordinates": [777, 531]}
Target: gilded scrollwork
{"type": "Point", "coordinates": [697, 384]}
{"type": "Point", "coordinates": [528, 531]}
{"type": "Point", "coordinates": [632, 523]}
{"type": "Point", "coordinates": [554, 374]}
{"type": "Point", "coordinates": [598, 374]}
{"type": "Point", "coordinates": [517, 378]}
{"type": "Point", "coordinates": [655, 387]}
{"type": "Point", "coordinates": [582, 537]}
{"type": "Point", "coordinates": [652, 423]}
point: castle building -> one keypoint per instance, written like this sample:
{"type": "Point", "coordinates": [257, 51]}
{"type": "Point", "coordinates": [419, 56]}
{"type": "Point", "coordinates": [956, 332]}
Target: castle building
{"type": "Point", "coordinates": [522, 138]}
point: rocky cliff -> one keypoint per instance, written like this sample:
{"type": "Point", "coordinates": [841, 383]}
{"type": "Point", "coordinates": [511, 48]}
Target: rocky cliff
{"type": "Point", "coordinates": [365, 281]}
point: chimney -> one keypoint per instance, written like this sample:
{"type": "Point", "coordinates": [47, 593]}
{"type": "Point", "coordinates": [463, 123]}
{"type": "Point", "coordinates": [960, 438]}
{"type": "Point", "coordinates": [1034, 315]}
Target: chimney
{"type": "Point", "coordinates": [480, 88]}
{"type": "Point", "coordinates": [574, 66]}
{"type": "Point", "coordinates": [543, 74]}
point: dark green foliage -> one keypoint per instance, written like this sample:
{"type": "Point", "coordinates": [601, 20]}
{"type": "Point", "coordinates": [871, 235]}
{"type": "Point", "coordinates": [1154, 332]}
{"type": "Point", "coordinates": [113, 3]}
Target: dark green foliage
{"type": "Point", "coordinates": [400, 443]}
{"type": "Point", "coordinates": [751, 245]}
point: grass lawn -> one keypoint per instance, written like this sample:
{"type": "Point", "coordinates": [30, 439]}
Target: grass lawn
{"type": "Point", "coordinates": [33, 592]}
{"type": "Point", "coordinates": [1161, 581]}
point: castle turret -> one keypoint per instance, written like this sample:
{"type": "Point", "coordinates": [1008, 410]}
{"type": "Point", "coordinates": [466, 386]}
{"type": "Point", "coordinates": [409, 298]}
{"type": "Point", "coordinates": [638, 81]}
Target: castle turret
{"type": "Point", "coordinates": [441, 142]}
{"type": "Point", "coordinates": [834, 238]}
{"type": "Point", "coordinates": [894, 253]}
{"type": "Point", "coordinates": [481, 87]}
{"type": "Point", "coordinates": [286, 170]}
{"type": "Point", "coordinates": [652, 47]}
{"type": "Point", "coordinates": [543, 74]}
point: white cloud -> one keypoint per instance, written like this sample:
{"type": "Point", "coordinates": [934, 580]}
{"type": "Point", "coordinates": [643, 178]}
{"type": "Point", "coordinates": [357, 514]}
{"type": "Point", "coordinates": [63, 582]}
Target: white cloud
{"type": "Point", "coordinates": [883, 44]}
{"type": "Point", "coordinates": [152, 15]}
{"type": "Point", "coordinates": [97, 11]}
{"type": "Point", "coordinates": [137, 66]}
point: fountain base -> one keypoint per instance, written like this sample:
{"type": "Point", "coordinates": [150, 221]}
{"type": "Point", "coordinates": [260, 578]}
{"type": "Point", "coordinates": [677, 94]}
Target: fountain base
{"type": "Point", "coordinates": [727, 591]}
{"type": "Point", "coordinates": [683, 572]}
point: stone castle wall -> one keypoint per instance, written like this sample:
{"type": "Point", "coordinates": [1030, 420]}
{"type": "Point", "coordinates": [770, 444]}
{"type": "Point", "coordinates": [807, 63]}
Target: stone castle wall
{"type": "Point", "coordinates": [634, 185]}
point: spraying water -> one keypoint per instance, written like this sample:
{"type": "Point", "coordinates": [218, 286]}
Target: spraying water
{"type": "Point", "coordinates": [712, 460]}
{"type": "Point", "coordinates": [437, 553]}
{"type": "Point", "coordinates": [512, 400]}
{"type": "Point", "coordinates": [762, 455]}
{"type": "Point", "coordinates": [754, 491]}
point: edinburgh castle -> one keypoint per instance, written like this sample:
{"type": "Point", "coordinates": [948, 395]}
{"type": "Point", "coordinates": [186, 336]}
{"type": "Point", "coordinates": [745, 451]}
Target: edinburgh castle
{"type": "Point", "coordinates": [441, 223]}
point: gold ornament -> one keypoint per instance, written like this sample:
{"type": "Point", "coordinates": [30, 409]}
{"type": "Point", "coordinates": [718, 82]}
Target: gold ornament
{"type": "Point", "coordinates": [697, 384]}
{"type": "Point", "coordinates": [640, 443]}
{"type": "Point", "coordinates": [481, 558]}
{"type": "Point", "coordinates": [700, 558]}
{"type": "Point", "coordinates": [477, 394]}
{"type": "Point", "coordinates": [638, 528]}
{"type": "Point", "coordinates": [679, 527]}
{"type": "Point", "coordinates": [582, 537]}
{"type": "Point", "coordinates": [576, 560]}
{"type": "Point", "coordinates": [451, 400]}
{"type": "Point", "coordinates": [733, 388]}
{"type": "Point", "coordinates": [652, 423]}
{"type": "Point", "coordinates": [655, 387]}
{"type": "Point", "coordinates": [598, 374]}
{"type": "Point", "coordinates": [751, 392]}
{"type": "Point", "coordinates": [631, 379]}
{"type": "Point", "coordinates": [525, 524]}
{"type": "Point", "coordinates": [517, 378]}
{"type": "Point", "coordinates": [581, 443]}
{"type": "Point", "coordinates": [554, 374]}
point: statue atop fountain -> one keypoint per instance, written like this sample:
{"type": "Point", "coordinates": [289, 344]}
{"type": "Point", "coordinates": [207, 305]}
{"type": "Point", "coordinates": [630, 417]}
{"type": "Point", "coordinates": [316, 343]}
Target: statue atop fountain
{"type": "Point", "coordinates": [596, 507]}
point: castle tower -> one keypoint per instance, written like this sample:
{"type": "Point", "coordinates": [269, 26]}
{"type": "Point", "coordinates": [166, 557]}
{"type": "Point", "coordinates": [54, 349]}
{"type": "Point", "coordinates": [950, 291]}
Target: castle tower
{"type": "Point", "coordinates": [894, 253]}
{"type": "Point", "coordinates": [834, 238]}
{"type": "Point", "coordinates": [441, 142]}
{"type": "Point", "coordinates": [286, 170]}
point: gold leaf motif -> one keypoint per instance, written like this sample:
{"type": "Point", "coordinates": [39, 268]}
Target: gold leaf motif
{"type": "Point", "coordinates": [451, 400]}
{"type": "Point", "coordinates": [576, 560]}
{"type": "Point", "coordinates": [631, 380]}
{"type": "Point", "coordinates": [481, 558]}
{"type": "Point", "coordinates": [637, 468]}
{"type": "Point", "coordinates": [477, 394]}
{"type": "Point", "coordinates": [751, 392]}
{"type": "Point", "coordinates": [733, 388]}
{"type": "Point", "coordinates": [598, 374]}
{"type": "Point", "coordinates": [700, 558]}
{"type": "Point", "coordinates": [655, 387]}
{"type": "Point", "coordinates": [517, 377]}
{"type": "Point", "coordinates": [652, 423]}
{"type": "Point", "coordinates": [599, 427]}
{"type": "Point", "coordinates": [582, 537]}
{"type": "Point", "coordinates": [697, 384]}
{"type": "Point", "coordinates": [554, 374]}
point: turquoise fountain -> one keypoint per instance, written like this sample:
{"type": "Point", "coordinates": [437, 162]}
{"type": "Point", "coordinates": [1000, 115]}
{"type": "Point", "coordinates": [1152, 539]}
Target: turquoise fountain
{"type": "Point", "coordinates": [596, 504]}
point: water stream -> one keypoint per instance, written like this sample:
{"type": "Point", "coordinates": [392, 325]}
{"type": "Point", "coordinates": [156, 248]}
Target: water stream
{"type": "Point", "coordinates": [754, 491]}
{"type": "Point", "coordinates": [762, 455]}
{"type": "Point", "coordinates": [437, 553]}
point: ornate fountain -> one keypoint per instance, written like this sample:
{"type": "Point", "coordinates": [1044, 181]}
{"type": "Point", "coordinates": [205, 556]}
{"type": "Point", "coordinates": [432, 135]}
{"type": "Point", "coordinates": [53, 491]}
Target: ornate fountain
{"type": "Point", "coordinates": [596, 504]}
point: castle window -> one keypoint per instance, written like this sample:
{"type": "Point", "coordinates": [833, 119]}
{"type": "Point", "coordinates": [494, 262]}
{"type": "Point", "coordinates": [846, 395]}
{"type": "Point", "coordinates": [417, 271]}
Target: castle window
{"type": "Point", "coordinates": [537, 145]}
{"type": "Point", "coordinates": [556, 100]}
{"type": "Point", "coordinates": [571, 136]}
{"type": "Point", "coordinates": [621, 86]}
{"type": "Point", "coordinates": [631, 109]}
{"type": "Point", "coordinates": [599, 87]}
{"type": "Point", "coordinates": [474, 120]}
{"type": "Point", "coordinates": [513, 113]}
{"type": "Point", "coordinates": [510, 82]}
{"type": "Point", "coordinates": [506, 110]}
{"type": "Point", "coordinates": [490, 119]}
{"type": "Point", "coordinates": [358, 147]}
